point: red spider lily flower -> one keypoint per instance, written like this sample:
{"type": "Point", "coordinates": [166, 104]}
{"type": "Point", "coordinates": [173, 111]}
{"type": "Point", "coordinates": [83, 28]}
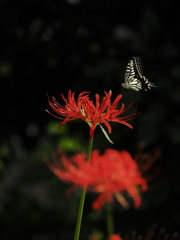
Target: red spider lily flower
{"type": "Point", "coordinates": [106, 174]}
{"type": "Point", "coordinates": [114, 237]}
{"type": "Point", "coordinates": [145, 161]}
{"type": "Point", "coordinates": [93, 114]}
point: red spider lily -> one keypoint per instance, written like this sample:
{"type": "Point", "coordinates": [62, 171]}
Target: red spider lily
{"type": "Point", "coordinates": [145, 161]}
{"type": "Point", "coordinates": [114, 237]}
{"type": "Point", "coordinates": [106, 174]}
{"type": "Point", "coordinates": [93, 114]}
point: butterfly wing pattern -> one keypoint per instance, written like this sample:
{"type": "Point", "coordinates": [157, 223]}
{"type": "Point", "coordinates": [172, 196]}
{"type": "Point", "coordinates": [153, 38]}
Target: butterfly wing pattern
{"type": "Point", "coordinates": [134, 78]}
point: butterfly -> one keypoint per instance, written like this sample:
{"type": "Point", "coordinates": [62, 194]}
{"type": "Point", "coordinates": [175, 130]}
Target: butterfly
{"type": "Point", "coordinates": [134, 78]}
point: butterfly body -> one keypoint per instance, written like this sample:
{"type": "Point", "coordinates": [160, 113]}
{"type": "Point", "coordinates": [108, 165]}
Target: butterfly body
{"type": "Point", "coordinates": [134, 78]}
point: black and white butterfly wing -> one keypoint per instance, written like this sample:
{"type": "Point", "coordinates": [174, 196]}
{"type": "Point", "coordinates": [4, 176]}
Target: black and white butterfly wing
{"type": "Point", "coordinates": [138, 66]}
{"type": "Point", "coordinates": [129, 70]}
{"type": "Point", "coordinates": [146, 84]}
{"type": "Point", "coordinates": [131, 81]}
{"type": "Point", "coordinates": [134, 78]}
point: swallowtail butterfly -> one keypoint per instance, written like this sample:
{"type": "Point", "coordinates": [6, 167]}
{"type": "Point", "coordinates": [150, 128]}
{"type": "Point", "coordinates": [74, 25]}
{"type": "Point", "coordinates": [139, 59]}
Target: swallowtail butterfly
{"type": "Point", "coordinates": [134, 78]}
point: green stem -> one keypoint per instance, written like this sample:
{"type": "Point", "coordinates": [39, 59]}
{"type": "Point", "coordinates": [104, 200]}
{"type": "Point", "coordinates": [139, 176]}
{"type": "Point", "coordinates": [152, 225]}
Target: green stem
{"type": "Point", "coordinates": [89, 149]}
{"type": "Point", "coordinates": [82, 198]}
{"type": "Point", "coordinates": [80, 213]}
{"type": "Point", "coordinates": [109, 220]}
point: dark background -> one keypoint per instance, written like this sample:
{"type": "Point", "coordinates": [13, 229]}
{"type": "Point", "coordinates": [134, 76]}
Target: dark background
{"type": "Point", "coordinates": [53, 46]}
